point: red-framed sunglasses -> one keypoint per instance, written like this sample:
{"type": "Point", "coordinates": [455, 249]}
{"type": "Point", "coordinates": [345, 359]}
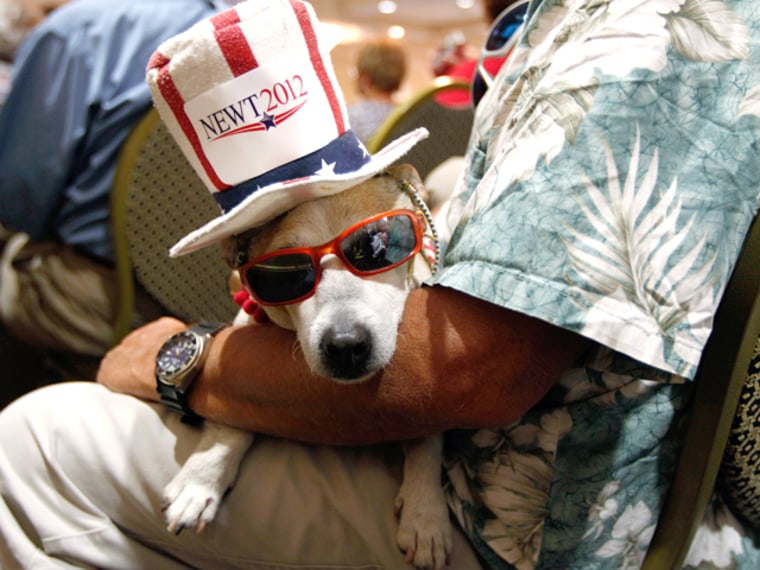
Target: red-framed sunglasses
{"type": "Point", "coordinates": [372, 246]}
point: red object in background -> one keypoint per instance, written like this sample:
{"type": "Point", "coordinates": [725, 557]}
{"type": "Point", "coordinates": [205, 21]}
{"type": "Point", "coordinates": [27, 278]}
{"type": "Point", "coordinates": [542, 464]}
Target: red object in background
{"type": "Point", "coordinates": [465, 71]}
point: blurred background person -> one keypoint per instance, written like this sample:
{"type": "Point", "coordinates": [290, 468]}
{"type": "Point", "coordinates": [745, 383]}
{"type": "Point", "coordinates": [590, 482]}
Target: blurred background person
{"type": "Point", "coordinates": [78, 89]}
{"type": "Point", "coordinates": [451, 56]}
{"type": "Point", "coordinates": [380, 71]}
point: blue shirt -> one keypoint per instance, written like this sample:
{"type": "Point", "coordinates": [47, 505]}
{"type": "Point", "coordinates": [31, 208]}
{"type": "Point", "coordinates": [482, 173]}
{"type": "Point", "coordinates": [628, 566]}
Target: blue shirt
{"type": "Point", "coordinates": [78, 88]}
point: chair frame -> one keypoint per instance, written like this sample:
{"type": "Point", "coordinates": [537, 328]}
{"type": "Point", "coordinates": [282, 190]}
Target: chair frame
{"type": "Point", "coordinates": [719, 381]}
{"type": "Point", "coordinates": [120, 191]}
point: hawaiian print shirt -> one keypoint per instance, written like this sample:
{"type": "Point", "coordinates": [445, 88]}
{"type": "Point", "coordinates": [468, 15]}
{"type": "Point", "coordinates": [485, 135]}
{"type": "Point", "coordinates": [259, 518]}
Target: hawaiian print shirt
{"type": "Point", "coordinates": [612, 176]}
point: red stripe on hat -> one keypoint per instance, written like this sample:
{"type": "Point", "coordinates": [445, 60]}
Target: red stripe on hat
{"type": "Point", "coordinates": [233, 43]}
{"type": "Point", "coordinates": [176, 103]}
{"type": "Point", "coordinates": [223, 19]}
{"type": "Point", "coordinates": [319, 65]}
{"type": "Point", "coordinates": [157, 61]}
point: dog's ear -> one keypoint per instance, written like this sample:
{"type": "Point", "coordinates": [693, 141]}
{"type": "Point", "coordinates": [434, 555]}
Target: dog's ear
{"type": "Point", "coordinates": [406, 172]}
{"type": "Point", "coordinates": [235, 249]}
{"type": "Point", "coordinates": [409, 173]}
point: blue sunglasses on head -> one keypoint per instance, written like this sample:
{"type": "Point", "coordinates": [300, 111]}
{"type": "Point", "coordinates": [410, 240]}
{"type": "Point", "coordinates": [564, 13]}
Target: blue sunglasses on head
{"type": "Point", "coordinates": [501, 38]}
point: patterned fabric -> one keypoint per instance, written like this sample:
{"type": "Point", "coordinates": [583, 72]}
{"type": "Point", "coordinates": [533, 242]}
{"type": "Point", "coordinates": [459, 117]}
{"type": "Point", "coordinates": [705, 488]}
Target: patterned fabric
{"type": "Point", "coordinates": [612, 176]}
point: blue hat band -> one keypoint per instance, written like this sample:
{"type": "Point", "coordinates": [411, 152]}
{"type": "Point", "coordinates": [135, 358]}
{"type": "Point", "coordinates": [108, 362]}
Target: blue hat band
{"type": "Point", "coordinates": [343, 155]}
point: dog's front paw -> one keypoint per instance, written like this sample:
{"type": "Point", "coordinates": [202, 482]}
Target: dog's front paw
{"type": "Point", "coordinates": [424, 531]}
{"type": "Point", "coordinates": [191, 500]}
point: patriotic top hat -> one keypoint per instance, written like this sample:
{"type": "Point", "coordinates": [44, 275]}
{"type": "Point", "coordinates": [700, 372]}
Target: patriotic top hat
{"type": "Point", "coordinates": [251, 98]}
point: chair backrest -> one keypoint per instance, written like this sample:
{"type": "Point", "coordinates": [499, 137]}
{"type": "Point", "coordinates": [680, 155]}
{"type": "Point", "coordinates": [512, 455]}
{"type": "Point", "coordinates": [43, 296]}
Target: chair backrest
{"type": "Point", "coordinates": [158, 198]}
{"type": "Point", "coordinates": [449, 126]}
{"type": "Point", "coordinates": [719, 381]}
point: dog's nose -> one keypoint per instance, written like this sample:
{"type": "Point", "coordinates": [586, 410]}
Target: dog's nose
{"type": "Point", "coordinates": [346, 351]}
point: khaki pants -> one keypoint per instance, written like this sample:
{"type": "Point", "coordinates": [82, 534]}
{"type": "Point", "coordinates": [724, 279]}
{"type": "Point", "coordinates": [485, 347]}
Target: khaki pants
{"type": "Point", "coordinates": [82, 471]}
{"type": "Point", "coordinates": [55, 298]}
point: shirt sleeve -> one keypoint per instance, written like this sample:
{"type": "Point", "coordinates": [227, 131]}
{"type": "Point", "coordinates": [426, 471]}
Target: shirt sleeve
{"type": "Point", "coordinates": [612, 176]}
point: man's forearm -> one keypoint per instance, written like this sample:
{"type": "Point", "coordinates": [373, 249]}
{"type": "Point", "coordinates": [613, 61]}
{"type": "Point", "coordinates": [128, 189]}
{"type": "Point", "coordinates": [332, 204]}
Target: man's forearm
{"type": "Point", "coordinates": [459, 363]}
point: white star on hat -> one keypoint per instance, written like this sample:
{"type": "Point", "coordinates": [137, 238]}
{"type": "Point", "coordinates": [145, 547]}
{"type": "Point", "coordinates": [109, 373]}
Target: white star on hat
{"type": "Point", "coordinates": [327, 169]}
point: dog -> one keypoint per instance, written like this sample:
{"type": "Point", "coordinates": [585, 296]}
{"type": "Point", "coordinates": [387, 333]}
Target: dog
{"type": "Point", "coordinates": [347, 332]}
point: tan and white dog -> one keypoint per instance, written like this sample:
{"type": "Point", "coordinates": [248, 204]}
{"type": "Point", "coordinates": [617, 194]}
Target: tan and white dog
{"type": "Point", "coordinates": [347, 332]}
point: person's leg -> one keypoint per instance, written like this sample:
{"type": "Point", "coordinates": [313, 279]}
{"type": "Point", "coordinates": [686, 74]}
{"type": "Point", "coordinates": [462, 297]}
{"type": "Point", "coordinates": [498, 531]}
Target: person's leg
{"type": "Point", "coordinates": [55, 298]}
{"type": "Point", "coordinates": [81, 475]}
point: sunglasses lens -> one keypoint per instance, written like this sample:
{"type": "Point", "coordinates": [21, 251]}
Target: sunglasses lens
{"type": "Point", "coordinates": [478, 88]}
{"type": "Point", "coordinates": [380, 244]}
{"type": "Point", "coordinates": [505, 27]}
{"type": "Point", "coordinates": [497, 48]}
{"type": "Point", "coordinates": [282, 278]}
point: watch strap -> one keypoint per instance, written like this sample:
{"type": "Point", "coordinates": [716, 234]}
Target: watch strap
{"type": "Point", "coordinates": [177, 401]}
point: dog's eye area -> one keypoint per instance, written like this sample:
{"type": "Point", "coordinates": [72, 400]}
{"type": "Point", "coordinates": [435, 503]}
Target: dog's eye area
{"type": "Point", "coordinates": [376, 245]}
{"type": "Point", "coordinates": [383, 243]}
{"type": "Point", "coordinates": [282, 278]}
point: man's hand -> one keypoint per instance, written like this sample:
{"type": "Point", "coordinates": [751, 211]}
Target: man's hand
{"type": "Point", "coordinates": [130, 366]}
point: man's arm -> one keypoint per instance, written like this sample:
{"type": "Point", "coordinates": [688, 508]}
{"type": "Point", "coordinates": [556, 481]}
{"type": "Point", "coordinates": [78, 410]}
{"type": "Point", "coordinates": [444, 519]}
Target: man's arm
{"type": "Point", "coordinates": [460, 362]}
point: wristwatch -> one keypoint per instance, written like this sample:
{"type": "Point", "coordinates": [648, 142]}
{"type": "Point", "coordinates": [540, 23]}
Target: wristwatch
{"type": "Point", "coordinates": [178, 364]}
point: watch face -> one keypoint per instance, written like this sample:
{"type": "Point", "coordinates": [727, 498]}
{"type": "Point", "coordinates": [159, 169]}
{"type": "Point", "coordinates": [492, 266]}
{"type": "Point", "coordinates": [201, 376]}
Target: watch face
{"type": "Point", "coordinates": [176, 354]}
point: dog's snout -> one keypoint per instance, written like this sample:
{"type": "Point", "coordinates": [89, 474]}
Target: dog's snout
{"type": "Point", "coordinates": [346, 351]}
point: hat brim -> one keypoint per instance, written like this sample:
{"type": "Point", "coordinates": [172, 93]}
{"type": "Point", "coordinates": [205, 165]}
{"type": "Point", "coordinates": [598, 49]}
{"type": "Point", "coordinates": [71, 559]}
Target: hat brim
{"type": "Point", "coordinates": [270, 201]}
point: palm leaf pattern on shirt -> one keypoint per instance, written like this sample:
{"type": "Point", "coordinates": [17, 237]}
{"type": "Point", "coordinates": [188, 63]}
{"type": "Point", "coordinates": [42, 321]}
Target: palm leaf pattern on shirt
{"type": "Point", "coordinates": [708, 30]}
{"type": "Point", "coordinates": [751, 103]}
{"type": "Point", "coordinates": [544, 107]}
{"type": "Point", "coordinates": [634, 244]}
